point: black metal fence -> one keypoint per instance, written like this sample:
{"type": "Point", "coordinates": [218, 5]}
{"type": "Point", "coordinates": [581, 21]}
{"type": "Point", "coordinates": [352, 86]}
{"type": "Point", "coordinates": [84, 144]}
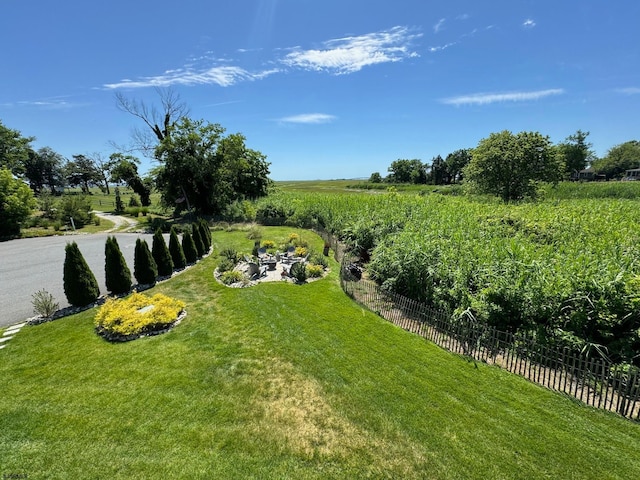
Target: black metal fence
{"type": "Point", "coordinates": [593, 380]}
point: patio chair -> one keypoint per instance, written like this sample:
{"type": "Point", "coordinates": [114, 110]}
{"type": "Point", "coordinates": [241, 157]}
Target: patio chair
{"type": "Point", "coordinates": [253, 271]}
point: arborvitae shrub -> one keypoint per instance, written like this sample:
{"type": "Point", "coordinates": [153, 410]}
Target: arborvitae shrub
{"type": "Point", "coordinates": [205, 232]}
{"type": "Point", "coordinates": [144, 266]}
{"type": "Point", "coordinates": [189, 248]}
{"type": "Point", "coordinates": [176, 251]}
{"type": "Point", "coordinates": [80, 285]}
{"type": "Point", "coordinates": [117, 273]}
{"type": "Point", "coordinates": [161, 254]}
{"type": "Point", "coordinates": [197, 240]}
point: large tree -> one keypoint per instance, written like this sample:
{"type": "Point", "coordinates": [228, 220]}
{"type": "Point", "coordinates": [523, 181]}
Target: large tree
{"type": "Point", "coordinates": [455, 163]}
{"type": "Point", "coordinates": [44, 169]}
{"type": "Point", "coordinates": [511, 165]}
{"type": "Point", "coordinates": [16, 203]}
{"type": "Point", "coordinates": [201, 168]}
{"type": "Point", "coordinates": [576, 152]}
{"type": "Point", "coordinates": [124, 168]}
{"type": "Point", "coordinates": [618, 159]}
{"type": "Point", "coordinates": [407, 171]}
{"type": "Point", "coordinates": [14, 149]}
{"type": "Point", "coordinates": [82, 172]}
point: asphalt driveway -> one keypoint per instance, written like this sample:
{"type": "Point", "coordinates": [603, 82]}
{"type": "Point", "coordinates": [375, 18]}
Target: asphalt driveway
{"type": "Point", "coordinates": [32, 264]}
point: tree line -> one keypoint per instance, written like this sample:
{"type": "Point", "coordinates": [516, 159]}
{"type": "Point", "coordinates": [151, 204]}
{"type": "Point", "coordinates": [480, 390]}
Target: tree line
{"type": "Point", "coordinates": [510, 165]}
{"type": "Point", "coordinates": [200, 168]}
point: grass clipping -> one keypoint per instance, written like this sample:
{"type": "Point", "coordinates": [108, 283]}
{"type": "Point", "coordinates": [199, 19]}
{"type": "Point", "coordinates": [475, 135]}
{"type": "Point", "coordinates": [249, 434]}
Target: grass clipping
{"type": "Point", "coordinates": [137, 315]}
{"type": "Point", "coordinates": [294, 412]}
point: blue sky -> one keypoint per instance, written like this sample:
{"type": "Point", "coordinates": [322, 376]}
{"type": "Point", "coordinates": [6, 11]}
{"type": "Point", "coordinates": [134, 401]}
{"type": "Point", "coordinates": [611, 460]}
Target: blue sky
{"type": "Point", "coordinates": [326, 89]}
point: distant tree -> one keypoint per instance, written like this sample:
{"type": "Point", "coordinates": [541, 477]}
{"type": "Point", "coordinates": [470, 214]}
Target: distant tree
{"type": "Point", "coordinates": [176, 251]}
{"type": "Point", "coordinates": [14, 150]}
{"type": "Point", "coordinates": [438, 171]}
{"type": "Point", "coordinates": [77, 207]}
{"type": "Point", "coordinates": [117, 273]}
{"type": "Point", "coordinates": [144, 266]}
{"type": "Point", "coordinates": [375, 177]}
{"type": "Point", "coordinates": [161, 254]}
{"type": "Point", "coordinates": [618, 159]}
{"type": "Point", "coordinates": [103, 168]}
{"type": "Point", "coordinates": [455, 163]}
{"type": "Point", "coordinates": [124, 168]}
{"type": "Point", "coordinates": [189, 248]}
{"type": "Point", "coordinates": [197, 240]}
{"type": "Point", "coordinates": [510, 165]}
{"type": "Point", "coordinates": [576, 152]}
{"type": "Point", "coordinates": [44, 169]}
{"type": "Point", "coordinates": [80, 285]}
{"type": "Point", "coordinates": [407, 171]}
{"type": "Point", "coordinates": [119, 203]}
{"type": "Point", "coordinates": [16, 203]}
{"type": "Point", "coordinates": [82, 172]}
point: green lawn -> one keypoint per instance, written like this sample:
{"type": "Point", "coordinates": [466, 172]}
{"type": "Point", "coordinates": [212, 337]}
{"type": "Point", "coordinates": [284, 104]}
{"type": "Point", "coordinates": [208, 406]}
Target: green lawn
{"type": "Point", "coordinates": [284, 381]}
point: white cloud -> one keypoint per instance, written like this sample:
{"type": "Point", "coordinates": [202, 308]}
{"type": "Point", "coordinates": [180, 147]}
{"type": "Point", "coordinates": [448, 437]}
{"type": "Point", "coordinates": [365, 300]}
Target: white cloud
{"type": "Point", "coordinates": [629, 91]}
{"type": "Point", "coordinates": [442, 47]}
{"type": "Point", "coordinates": [487, 98]}
{"type": "Point", "coordinates": [438, 26]}
{"type": "Point", "coordinates": [223, 76]}
{"type": "Point", "coordinates": [528, 23]}
{"type": "Point", "coordinates": [351, 54]}
{"type": "Point", "coordinates": [308, 118]}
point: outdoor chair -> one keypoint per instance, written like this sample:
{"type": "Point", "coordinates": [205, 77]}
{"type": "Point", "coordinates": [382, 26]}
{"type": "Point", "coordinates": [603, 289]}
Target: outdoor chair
{"type": "Point", "coordinates": [253, 271]}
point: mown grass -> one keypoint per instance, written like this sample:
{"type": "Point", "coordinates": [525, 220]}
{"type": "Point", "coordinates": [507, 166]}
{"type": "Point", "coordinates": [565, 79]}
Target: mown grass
{"type": "Point", "coordinates": [284, 381]}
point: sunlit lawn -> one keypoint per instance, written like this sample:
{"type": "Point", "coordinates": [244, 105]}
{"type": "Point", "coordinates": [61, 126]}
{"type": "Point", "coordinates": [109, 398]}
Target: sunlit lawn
{"type": "Point", "coordinates": [284, 381]}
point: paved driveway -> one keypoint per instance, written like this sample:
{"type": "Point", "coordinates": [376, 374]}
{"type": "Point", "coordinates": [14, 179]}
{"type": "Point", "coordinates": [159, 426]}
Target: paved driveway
{"type": "Point", "coordinates": [31, 264]}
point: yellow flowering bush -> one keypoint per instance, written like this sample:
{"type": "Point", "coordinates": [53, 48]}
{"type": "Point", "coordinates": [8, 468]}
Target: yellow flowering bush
{"type": "Point", "coordinates": [137, 314]}
{"type": "Point", "coordinates": [293, 237]}
{"type": "Point", "coordinates": [268, 244]}
{"type": "Point", "coordinates": [314, 271]}
{"type": "Point", "coordinates": [301, 251]}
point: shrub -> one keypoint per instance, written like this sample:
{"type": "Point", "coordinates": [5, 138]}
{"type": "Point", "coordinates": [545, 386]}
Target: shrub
{"type": "Point", "coordinates": [254, 232]}
{"type": "Point", "coordinates": [189, 248]}
{"type": "Point", "coordinates": [77, 207]}
{"type": "Point", "coordinates": [197, 240]}
{"type": "Point", "coordinates": [133, 201]}
{"type": "Point", "coordinates": [144, 266]}
{"type": "Point", "coordinates": [319, 259]}
{"type": "Point", "coordinates": [119, 202]}
{"type": "Point", "coordinates": [96, 221]}
{"type": "Point", "coordinates": [268, 244]}
{"type": "Point", "coordinates": [43, 303]}
{"type": "Point", "coordinates": [122, 319]}
{"type": "Point", "coordinates": [298, 272]}
{"type": "Point", "coordinates": [161, 254]}
{"type": "Point", "coordinates": [226, 264]}
{"type": "Point", "coordinates": [301, 251]}
{"type": "Point", "coordinates": [230, 253]}
{"type": "Point", "coordinates": [232, 276]}
{"type": "Point", "coordinates": [205, 234]}
{"type": "Point", "coordinates": [314, 271]}
{"type": "Point", "coordinates": [293, 237]}
{"type": "Point", "coordinates": [80, 285]}
{"type": "Point", "coordinates": [117, 273]}
{"type": "Point", "coordinates": [176, 251]}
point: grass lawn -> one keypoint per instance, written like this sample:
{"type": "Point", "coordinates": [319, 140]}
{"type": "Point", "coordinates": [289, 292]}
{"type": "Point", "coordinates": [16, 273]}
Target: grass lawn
{"type": "Point", "coordinates": [284, 381]}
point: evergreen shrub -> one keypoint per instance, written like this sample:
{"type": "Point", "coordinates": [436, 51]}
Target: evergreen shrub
{"type": "Point", "coordinates": [80, 285]}
{"type": "Point", "coordinates": [161, 254]}
{"type": "Point", "coordinates": [176, 251]}
{"type": "Point", "coordinates": [117, 273]}
{"type": "Point", "coordinates": [144, 266]}
{"type": "Point", "coordinates": [189, 248]}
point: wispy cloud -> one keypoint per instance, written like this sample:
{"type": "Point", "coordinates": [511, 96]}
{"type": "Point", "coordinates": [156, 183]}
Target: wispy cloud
{"type": "Point", "coordinates": [221, 75]}
{"type": "Point", "coordinates": [53, 103]}
{"type": "Point", "coordinates": [351, 54]}
{"type": "Point", "coordinates": [629, 91]}
{"type": "Point", "coordinates": [488, 98]}
{"type": "Point", "coordinates": [308, 118]}
{"type": "Point", "coordinates": [441, 47]}
{"type": "Point", "coordinates": [528, 23]}
{"type": "Point", "coordinates": [438, 26]}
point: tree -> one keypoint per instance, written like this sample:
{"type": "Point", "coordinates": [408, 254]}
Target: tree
{"type": "Point", "coordinates": [77, 207]}
{"type": "Point", "coordinates": [438, 171]}
{"type": "Point", "coordinates": [82, 172]}
{"type": "Point", "coordinates": [80, 285]}
{"type": "Point", "coordinates": [117, 273]}
{"type": "Point", "coordinates": [197, 239]}
{"type": "Point", "coordinates": [618, 159]}
{"type": "Point", "coordinates": [144, 266]}
{"type": "Point", "coordinates": [509, 165]}
{"type": "Point", "coordinates": [375, 177]}
{"type": "Point", "coordinates": [14, 150]}
{"type": "Point", "coordinates": [205, 234]}
{"type": "Point", "coordinates": [189, 248]}
{"type": "Point", "coordinates": [407, 171]}
{"type": "Point", "coordinates": [175, 249]}
{"type": "Point", "coordinates": [44, 169]}
{"type": "Point", "coordinates": [455, 163]}
{"type": "Point", "coordinates": [201, 169]}
{"type": "Point", "coordinates": [159, 121]}
{"type": "Point", "coordinates": [16, 203]}
{"type": "Point", "coordinates": [124, 168]}
{"type": "Point", "coordinates": [161, 254]}
{"type": "Point", "coordinates": [576, 152]}
{"type": "Point", "coordinates": [103, 170]}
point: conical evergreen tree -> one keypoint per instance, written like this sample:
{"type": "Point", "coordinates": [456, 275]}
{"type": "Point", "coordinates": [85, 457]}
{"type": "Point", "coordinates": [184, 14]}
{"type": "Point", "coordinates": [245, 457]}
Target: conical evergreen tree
{"type": "Point", "coordinates": [189, 248]}
{"type": "Point", "coordinates": [116, 272]}
{"type": "Point", "coordinates": [205, 234]}
{"type": "Point", "coordinates": [144, 266]}
{"type": "Point", "coordinates": [176, 251]}
{"type": "Point", "coordinates": [161, 254]}
{"type": "Point", "coordinates": [197, 239]}
{"type": "Point", "coordinates": [80, 285]}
